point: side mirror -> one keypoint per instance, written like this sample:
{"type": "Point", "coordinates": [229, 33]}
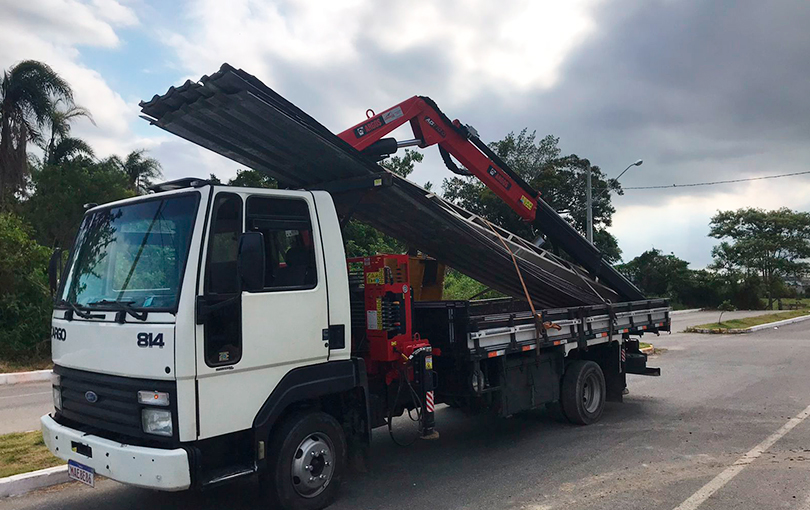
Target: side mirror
{"type": "Point", "coordinates": [55, 270]}
{"type": "Point", "coordinates": [251, 261]}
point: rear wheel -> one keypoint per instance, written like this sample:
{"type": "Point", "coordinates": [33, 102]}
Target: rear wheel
{"type": "Point", "coordinates": [583, 392]}
{"type": "Point", "coordinates": [305, 462]}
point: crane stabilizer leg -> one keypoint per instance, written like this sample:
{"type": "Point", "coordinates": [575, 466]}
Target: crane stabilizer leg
{"type": "Point", "coordinates": [432, 127]}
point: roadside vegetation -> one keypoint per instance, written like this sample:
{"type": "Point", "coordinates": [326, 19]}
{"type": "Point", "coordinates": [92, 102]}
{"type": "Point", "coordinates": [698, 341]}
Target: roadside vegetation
{"type": "Point", "coordinates": [22, 452]}
{"type": "Point", "coordinates": [747, 322]}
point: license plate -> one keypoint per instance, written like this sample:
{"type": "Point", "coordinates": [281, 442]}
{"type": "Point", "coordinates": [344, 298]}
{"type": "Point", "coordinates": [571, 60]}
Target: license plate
{"type": "Point", "coordinates": [82, 473]}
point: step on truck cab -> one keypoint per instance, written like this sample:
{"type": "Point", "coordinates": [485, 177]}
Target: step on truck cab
{"type": "Point", "coordinates": [204, 333]}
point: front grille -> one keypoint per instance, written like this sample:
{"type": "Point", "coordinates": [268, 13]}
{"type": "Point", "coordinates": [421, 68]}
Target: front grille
{"type": "Point", "coordinates": [116, 414]}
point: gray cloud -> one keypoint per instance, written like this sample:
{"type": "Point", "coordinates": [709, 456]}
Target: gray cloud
{"type": "Point", "coordinates": [701, 90]}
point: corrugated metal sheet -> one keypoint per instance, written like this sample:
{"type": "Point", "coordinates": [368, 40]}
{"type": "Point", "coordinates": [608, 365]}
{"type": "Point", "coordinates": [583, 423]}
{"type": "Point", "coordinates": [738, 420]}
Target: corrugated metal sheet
{"type": "Point", "coordinates": [233, 114]}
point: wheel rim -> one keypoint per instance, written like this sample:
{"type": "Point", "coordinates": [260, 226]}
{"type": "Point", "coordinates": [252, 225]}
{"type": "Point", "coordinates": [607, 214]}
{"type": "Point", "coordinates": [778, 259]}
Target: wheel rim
{"type": "Point", "coordinates": [313, 464]}
{"type": "Point", "coordinates": [591, 393]}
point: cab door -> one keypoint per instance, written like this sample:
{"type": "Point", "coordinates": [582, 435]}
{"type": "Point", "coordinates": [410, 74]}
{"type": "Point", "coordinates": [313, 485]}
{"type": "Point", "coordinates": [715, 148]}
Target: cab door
{"type": "Point", "coordinates": [252, 339]}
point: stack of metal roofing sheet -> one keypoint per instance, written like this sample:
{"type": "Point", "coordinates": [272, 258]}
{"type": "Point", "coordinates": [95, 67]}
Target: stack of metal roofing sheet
{"type": "Point", "coordinates": [234, 114]}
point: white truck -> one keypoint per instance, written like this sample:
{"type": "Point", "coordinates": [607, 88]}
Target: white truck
{"type": "Point", "coordinates": [204, 333]}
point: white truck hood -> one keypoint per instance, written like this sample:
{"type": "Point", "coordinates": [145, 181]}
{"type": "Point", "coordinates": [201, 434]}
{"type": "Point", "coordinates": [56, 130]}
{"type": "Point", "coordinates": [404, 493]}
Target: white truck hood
{"type": "Point", "coordinates": [139, 349]}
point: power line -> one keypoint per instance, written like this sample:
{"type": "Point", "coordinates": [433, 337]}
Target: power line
{"type": "Point", "coordinates": [717, 182]}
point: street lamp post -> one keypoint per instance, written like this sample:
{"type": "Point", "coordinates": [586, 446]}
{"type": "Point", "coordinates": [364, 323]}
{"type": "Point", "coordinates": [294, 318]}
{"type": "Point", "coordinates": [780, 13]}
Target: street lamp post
{"type": "Point", "coordinates": [589, 199]}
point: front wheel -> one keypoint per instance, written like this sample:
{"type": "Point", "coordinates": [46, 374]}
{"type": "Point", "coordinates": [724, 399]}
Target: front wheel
{"type": "Point", "coordinates": [306, 462]}
{"type": "Point", "coordinates": [583, 392]}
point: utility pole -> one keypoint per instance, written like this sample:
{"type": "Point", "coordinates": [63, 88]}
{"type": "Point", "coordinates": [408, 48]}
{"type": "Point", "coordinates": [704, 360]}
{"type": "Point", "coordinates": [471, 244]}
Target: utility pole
{"type": "Point", "coordinates": [588, 206]}
{"type": "Point", "coordinates": [589, 199]}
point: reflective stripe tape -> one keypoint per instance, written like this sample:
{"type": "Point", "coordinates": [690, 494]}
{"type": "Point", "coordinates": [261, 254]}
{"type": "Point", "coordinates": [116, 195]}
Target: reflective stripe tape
{"type": "Point", "coordinates": [528, 347]}
{"type": "Point", "coordinates": [429, 401]}
{"type": "Point", "coordinates": [495, 354]}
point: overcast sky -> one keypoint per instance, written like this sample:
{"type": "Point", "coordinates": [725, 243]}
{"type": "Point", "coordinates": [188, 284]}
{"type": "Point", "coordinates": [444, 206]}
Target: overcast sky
{"type": "Point", "coordinates": [701, 90]}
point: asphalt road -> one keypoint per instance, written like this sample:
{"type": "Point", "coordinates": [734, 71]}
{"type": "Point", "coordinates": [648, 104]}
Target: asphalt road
{"type": "Point", "coordinates": [21, 405]}
{"type": "Point", "coordinates": [716, 431]}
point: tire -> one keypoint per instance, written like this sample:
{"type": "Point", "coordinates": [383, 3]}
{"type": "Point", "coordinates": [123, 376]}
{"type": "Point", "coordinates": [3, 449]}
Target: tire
{"type": "Point", "coordinates": [310, 443]}
{"type": "Point", "coordinates": [583, 392]}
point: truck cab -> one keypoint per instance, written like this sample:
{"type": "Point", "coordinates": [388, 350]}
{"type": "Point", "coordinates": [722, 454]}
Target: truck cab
{"type": "Point", "coordinates": [185, 323]}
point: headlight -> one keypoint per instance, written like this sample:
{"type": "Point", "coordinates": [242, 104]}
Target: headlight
{"type": "Point", "coordinates": [56, 380]}
{"type": "Point", "coordinates": [57, 398]}
{"type": "Point", "coordinates": [153, 398]}
{"type": "Point", "coordinates": [157, 421]}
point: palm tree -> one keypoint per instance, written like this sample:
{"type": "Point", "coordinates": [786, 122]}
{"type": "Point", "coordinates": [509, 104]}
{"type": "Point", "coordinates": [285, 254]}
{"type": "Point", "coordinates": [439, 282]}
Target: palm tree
{"type": "Point", "coordinates": [28, 91]}
{"type": "Point", "coordinates": [67, 149]}
{"type": "Point", "coordinates": [61, 145]}
{"type": "Point", "coordinates": [139, 169]}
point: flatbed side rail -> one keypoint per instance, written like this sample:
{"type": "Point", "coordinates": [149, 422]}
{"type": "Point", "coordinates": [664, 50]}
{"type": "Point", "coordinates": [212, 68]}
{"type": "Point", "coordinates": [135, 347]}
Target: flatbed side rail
{"type": "Point", "coordinates": [591, 327]}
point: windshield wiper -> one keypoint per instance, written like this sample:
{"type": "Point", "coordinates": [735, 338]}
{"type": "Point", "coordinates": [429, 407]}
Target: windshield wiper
{"type": "Point", "coordinates": [78, 311]}
{"type": "Point", "coordinates": [124, 306]}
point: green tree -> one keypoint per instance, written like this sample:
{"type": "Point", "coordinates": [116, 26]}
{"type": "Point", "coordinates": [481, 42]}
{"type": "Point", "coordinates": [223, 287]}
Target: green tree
{"type": "Point", "coordinates": [656, 274]}
{"type": "Point", "coordinates": [28, 92]}
{"type": "Point", "coordinates": [403, 166]}
{"type": "Point", "coordinates": [460, 286]}
{"type": "Point", "coordinates": [771, 244]}
{"type": "Point", "coordinates": [252, 179]}
{"type": "Point", "coordinates": [60, 145]}
{"type": "Point", "coordinates": [25, 303]}
{"type": "Point", "coordinates": [139, 169]}
{"type": "Point", "coordinates": [560, 179]}
{"type": "Point", "coordinates": [56, 206]}
{"type": "Point", "coordinates": [659, 275]}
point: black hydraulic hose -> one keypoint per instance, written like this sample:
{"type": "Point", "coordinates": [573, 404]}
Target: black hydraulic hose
{"type": "Point", "coordinates": [403, 380]}
{"type": "Point", "coordinates": [448, 162]}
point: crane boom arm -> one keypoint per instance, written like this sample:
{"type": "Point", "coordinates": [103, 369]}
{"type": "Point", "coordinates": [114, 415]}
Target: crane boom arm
{"type": "Point", "coordinates": [432, 127]}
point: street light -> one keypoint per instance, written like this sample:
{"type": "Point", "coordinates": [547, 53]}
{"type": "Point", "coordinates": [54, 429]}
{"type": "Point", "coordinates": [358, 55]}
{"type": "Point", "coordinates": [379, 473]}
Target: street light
{"type": "Point", "coordinates": [589, 199]}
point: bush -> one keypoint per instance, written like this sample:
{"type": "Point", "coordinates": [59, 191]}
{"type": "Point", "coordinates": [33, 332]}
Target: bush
{"type": "Point", "coordinates": [460, 286]}
{"type": "Point", "coordinates": [25, 302]}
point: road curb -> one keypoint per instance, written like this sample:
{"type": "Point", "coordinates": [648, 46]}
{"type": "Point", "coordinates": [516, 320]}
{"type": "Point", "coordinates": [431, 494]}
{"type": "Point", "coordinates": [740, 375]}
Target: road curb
{"type": "Point", "coordinates": [25, 377]}
{"type": "Point", "coordinates": [26, 482]}
{"type": "Point", "coordinates": [758, 327]}
{"type": "Point", "coordinates": [680, 312]}
{"type": "Point", "coordinates": [780, 323]}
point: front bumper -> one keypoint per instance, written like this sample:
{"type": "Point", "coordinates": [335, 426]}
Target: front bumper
{"type": "Point", "coordinates": [154, 468]}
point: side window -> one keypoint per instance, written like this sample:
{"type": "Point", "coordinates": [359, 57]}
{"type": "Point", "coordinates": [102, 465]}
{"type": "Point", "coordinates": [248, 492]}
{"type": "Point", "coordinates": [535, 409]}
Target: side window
{"type": "Point", "coordinates": [223, 325]}
{"type": "Point", "coordinates": [289, 248]}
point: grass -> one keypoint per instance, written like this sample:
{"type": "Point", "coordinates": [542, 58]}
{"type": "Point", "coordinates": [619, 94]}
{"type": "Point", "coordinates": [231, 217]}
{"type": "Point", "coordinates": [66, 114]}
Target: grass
{"type": "Point", "coordinates": [7, 366]}
{"type": "Point", "coordinates": [803, 303]}
{"type": "Point", "coordinates": [644, 345]}
{"type": "Point", "coordinates": [751, 321]}
{"type": "Point", "coordinates": [22, 452]}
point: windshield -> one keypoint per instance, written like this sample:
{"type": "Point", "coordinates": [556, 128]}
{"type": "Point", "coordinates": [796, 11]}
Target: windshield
{"type": "Point", "coordinates": [134, 254]}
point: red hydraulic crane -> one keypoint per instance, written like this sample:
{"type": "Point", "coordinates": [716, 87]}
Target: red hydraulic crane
{"type": "Point", "coordinates": [432, 127]}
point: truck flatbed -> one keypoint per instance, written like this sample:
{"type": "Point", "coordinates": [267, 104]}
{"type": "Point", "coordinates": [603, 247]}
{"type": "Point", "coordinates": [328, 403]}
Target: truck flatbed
{"type": "Point", "coordinates": [483, 331]}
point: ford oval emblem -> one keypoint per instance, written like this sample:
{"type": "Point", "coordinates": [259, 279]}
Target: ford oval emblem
{"type": "Point", "coordinates": [91, 397]}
